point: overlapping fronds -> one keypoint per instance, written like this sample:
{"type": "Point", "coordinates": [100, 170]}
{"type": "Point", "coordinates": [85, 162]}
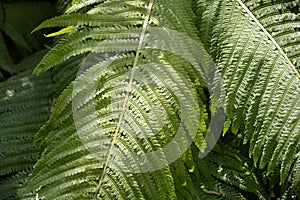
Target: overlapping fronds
{"type": "Point", "coordinates": [101, 122]}
{"type": "Point", "coordinates": [261, 77]}
{"type": "Point", "coordinates": [63, 145]}
{"type": "Point", "coordinates": [66, 164]}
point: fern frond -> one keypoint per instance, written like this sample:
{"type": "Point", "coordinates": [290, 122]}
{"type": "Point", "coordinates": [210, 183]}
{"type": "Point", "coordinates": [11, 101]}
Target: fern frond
{"type": "Point", "coordinates": [271, 38]}
{"type": "Point", "coordinates": [26, 108]}
{"type": "Point", "coordinates": [281, 19]}
{"type": "Point", "coordinates": [59, 55]}
{"type": "Point", "coordinates": [11, 185]}
{"type": "Point", "coordinates": [25, 105]}
{"type": "Point", "coordinates": [295, 178]}
{"type": "Point", "coordinates": [62, 127]}
{"type": "Point", "coordinates": [128, 93]}
{"type": "Point", "coordinates": [234, 169]}
{"type": "Point", "coordinates": [93, 20]}
{"type": "Point", "coordinates": [262, 85]}
{"type": "Point", "coordinates": [259, 74]}
{"type": "Point", "coordinates": [228, 192]}
{"type": "Point", "coordinates": [77, 5]}
{"type": "Point", "coordinates": [105, 26]}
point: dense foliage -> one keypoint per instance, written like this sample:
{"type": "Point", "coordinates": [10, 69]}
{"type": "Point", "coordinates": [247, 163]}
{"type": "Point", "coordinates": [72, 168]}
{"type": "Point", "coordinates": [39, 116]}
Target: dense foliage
{"type": "Point", "coordinates": [255, 46]}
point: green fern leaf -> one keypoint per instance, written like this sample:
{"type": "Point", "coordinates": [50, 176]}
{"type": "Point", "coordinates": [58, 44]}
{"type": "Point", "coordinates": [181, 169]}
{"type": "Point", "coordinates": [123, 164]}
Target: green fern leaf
{"type": "Point", "coordinates": [258, 58]}
{"type": "Point", "coordinates": [25, 105]}
{"type": "Point", "coordinates": [262, 80]}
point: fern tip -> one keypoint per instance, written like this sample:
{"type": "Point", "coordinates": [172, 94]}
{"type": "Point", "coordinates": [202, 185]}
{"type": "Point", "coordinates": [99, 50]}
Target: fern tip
{"type": "Point", "coordinates": [38, 70]}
